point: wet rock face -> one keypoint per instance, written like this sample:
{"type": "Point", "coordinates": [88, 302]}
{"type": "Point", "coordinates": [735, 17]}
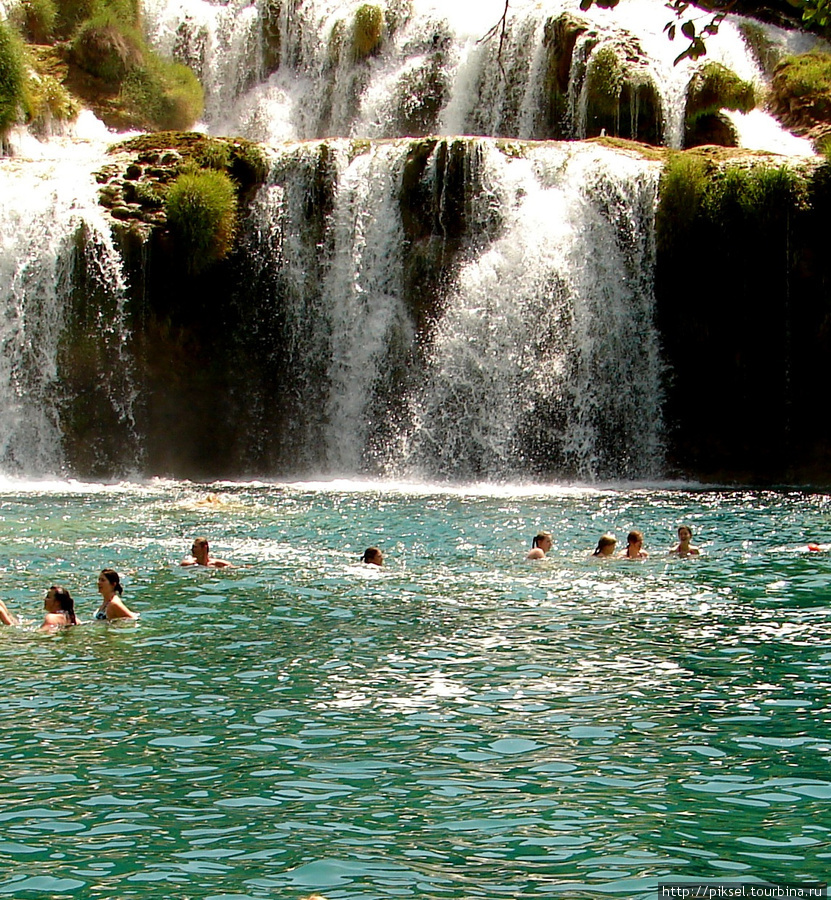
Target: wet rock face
{"type": "Point", "coordinates": [745, 331]}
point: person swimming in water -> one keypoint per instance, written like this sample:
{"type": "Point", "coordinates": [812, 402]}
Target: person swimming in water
{"type": "Point", "coordinates": [634, 546]}
{"type": "Point", "coordinates": [6, 618]}
{"type": "Point", "coordinates": [373, 557]}
{"type": "Point", "coordinates": [540, 545]}
{"type": "Point", "coordinates": [605, 546]}
{"type": "Point", "coordinates": [60, 609]}
{"type": "Point", "coordinates": [200, 556]}
{"type": "Point", "coordinates": [111, 591]}
{"type": "Point", "coordinates": [684, 547]}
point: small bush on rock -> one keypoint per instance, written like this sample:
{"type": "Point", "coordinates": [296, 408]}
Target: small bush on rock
{"type": "Point", "coordinates": [163, 96]}
{"type": "Point", "coordinates": [201, 212]}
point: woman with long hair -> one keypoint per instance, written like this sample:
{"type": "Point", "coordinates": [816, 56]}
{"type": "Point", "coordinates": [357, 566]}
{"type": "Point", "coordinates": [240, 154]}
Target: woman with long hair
{"type": "Point", "coordinates": [60, 609]}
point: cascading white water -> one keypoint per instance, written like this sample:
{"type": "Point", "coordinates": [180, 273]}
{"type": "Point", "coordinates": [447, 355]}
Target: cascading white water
{"type": "Point", "coordinates": [345, 326]}
{"type": "Point", "coordinates": [545, 352]}
{"type": "Point", "coordinates": [544, 342]}
{"type": "Point", "coordinates": [432, 53]}
{"type": "Point", "coordinates": [47, 203]}
{"type": "Point", "coordinates": [548, 338]}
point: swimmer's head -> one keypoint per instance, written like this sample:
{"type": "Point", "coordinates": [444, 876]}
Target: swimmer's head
{"type": "Point", "coordinates": [684, 533]}
{"type": "Point", "coordinates": [373, 556]}
{"type": "Point", "coordinates": [634, 537]}
{"type": "Point", "coordinates": [199, 548]}
{"type": "Point", "coordinates": [606, 545]}
{"type": "Point", "coordinates": [111, 576]}
{"type": "Point", "coordinates": [59, 599]}
{"type": "Point", "coordinates": [543, 540]}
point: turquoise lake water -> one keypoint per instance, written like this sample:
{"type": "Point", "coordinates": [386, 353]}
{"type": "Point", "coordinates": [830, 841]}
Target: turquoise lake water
{"type": "Point", "coordinates": [462, 724]}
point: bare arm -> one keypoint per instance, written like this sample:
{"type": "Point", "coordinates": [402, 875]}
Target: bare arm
{"type": "Point", "coordinates": [5, 616]}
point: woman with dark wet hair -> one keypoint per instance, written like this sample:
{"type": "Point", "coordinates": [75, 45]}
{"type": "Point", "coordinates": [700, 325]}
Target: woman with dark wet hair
{"type": "Point", "coordinates": [605, 546]}
{"type": "Point", "coordinates": [60, 609]}
{"type": "Point", "coordinates": [112, 606]}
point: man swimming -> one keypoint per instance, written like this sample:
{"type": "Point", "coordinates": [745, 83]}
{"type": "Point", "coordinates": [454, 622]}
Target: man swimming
{"type": "Point", "coordinates": [200, 556]}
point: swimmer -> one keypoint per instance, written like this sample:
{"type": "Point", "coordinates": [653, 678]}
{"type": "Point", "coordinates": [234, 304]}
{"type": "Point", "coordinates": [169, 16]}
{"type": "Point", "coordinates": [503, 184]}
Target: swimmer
{"type": "Point", "coordinates": [634, 546]}
{"type": "Point", "coordinates": [684, 547]}
{"type": "Point", "coordinates": [5, 616]}
{"type": "Point", "coordinates": [60, 609]}
{"type": "Point", "coordinates": [541, 544]}
{"type": "Point", "coordinates": [112, 606]}
{"type": "Point", "coordinates": [210, 500]}
{"type": "Point", "coordinates": [373, 557]}
{"type": "Point", "coordinates": [200, 556]}
{"type": "Point", "coordinates": [605, 546]}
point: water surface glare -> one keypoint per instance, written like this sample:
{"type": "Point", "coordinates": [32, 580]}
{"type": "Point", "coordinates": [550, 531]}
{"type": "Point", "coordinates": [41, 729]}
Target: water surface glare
{"type": "Point", "coordinates": [461, 724]}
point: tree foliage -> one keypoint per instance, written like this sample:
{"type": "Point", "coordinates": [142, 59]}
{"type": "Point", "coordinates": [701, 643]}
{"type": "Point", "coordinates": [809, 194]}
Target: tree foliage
{"type": "Point", "coordinates": [816, 15]}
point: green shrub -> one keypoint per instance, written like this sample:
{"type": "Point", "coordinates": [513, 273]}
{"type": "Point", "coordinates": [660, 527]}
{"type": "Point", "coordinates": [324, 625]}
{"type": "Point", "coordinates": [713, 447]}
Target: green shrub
{"type": "Point", "coordinates": [730, 201]}
{"type": "Point", "coordinates": [713, 88]}
{"type": "Point", "coordinates": [367, 31]}
{"type": "Point", "coordinates": [201, 209]}
{"type": "Point", "coordinates": [214, 155]}
{"type": "Point", "coordinates": [73, 13]}
{"type": "Point", "coordinates": [807, 75]}
{"type": "Point", "coordinates": [37, 19]}
{"type": "Point", "coordinates": [108, 49]}
{"type": "Point", "coordinates": [12, 77]}
{"type": "Point", "coordinates": [163, 96]}
{"type": "Point", "coordinates": [49, 101]}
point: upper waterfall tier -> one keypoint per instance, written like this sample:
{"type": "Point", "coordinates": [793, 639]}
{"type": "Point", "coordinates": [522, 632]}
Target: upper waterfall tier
{"type": "Point", "coordinates": [278, 71]}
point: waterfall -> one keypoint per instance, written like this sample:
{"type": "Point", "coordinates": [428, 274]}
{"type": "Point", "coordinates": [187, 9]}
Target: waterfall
{"type": "Point", "coordinates": [51, 227]}
{"type": "Point", "coordinates": [543, 356]}
{"type": "Point", "coordinates": [276, 71]}
{"type": "Point", "coordinates": [547, 357]}
{"type": "Point", "coordinates": [427, 304]}
{"type": "Point", "coordinates": [339, 286]}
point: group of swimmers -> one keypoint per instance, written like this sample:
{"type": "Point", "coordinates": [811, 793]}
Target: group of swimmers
{"type": "Point", "coordinates": [607, 545]}
{"type": "Point", "coordinates": [59, 605]}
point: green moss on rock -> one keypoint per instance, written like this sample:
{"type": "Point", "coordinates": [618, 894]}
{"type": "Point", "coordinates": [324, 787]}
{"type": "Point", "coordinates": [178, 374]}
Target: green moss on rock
{"type": "Point", "coordinates": [48, 101]}
{"type": "Point", "coordinates": [622, 99]}
{"type": "Point", "coordinates": [367, 31]}
{"type": "Point", "coordinates": [105, 48]}
{"type": "Point", "coordinates": [712, 89]}
{"type": "Point", "coordinates": [802, 90]}
{"type": "Point", "coordinates": [605, 78]}
{"type": "Point", "coordinates": [163, 96]}
{"type": "Point", "coordinates": [36, 19]}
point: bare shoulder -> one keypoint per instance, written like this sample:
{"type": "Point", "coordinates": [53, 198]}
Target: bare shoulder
{"type": "Point", "coordinates": [117, 609]}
